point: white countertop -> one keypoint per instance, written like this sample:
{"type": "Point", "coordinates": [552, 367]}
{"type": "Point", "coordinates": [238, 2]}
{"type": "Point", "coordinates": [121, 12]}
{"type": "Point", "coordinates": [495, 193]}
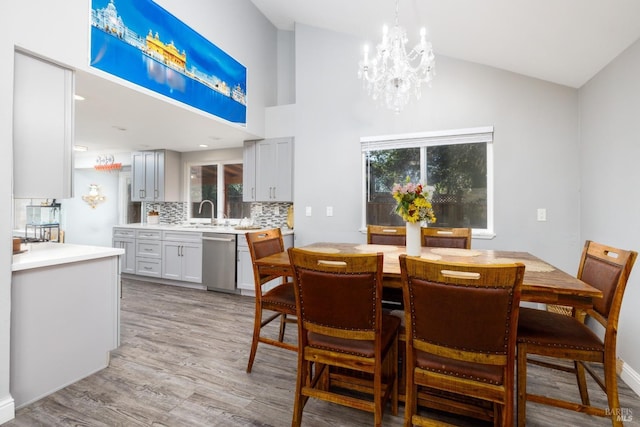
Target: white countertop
{"type": "Point", "coordinates": [47, 254]}
{"type": "Point", "coordinates": [200, 228]}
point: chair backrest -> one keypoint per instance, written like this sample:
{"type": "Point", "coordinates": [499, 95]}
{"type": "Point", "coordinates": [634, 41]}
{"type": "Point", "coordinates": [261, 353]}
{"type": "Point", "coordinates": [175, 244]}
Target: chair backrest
{"type": "Point", "coordinates": [462, 311]}
{"type": "Point", "coordinates": [440, 237]}
{"type": "Point", "coordinates": [338, 295]}
{"type": "Point", "coordinates": [386, 235]}
{"type": "Point", "coordinates": [608, 269]}
{"type": "Point", "coordinates": [262, 244]}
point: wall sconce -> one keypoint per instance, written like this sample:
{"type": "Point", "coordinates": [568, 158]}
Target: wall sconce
{"type": "Point", "coordinates": [94, 197]}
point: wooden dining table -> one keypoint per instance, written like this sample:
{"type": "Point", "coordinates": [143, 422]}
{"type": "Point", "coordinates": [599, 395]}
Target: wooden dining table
{"type": "Point", "coordinates": [542, 283]}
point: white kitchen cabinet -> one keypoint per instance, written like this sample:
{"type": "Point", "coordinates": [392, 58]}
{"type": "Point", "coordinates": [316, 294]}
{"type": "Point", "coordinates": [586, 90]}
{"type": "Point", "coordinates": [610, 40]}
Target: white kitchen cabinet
{"type": "Point", "coordinates": [149, 253]}
{"type": "Point", "coordinates": [182, 256]}
{"type": "Point", "coordinates": [249, 172]}
{"type": "Point", "coordinates": [272, 168]}
{"type": "Point", "coordinates": [43, 126]}
{"type": "Point", "coordinates": [244, 271]}
{"type": "Point", "coordinates": [126, 239]}
{"type": "Point", "coordinates": [155, 176]}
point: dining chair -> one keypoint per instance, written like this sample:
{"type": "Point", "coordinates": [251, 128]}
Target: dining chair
{"type": "Point", "coordinates": [348, 346]}
{"type": "Point", "coordinates": [461, 323]}
{"type": "Point", "coordinates": [568, 337]}
{"type": "Point", "coordinates": [441, 237]}
{"type": "Point", "coordinates": [278, 298]}
{"type": "Point", "coordinates": [386, 235]}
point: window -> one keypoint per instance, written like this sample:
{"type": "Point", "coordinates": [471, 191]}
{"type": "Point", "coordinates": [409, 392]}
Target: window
{"type": "Point", "coordinates": [456, 166]}
{"type": "Point", "coordinates": [204, 184]}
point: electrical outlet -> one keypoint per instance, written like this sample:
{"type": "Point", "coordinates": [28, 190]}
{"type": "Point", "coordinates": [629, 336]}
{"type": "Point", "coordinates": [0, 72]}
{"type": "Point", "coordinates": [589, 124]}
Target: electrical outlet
{"type": "Point", "coordinates": [542, 214]}
{"type": "Point", "coordinates": [276, 210]}
{"type": "Point", "coordinates": [329, 210]}
{"type": "Point", "coordinates": [307, 211]}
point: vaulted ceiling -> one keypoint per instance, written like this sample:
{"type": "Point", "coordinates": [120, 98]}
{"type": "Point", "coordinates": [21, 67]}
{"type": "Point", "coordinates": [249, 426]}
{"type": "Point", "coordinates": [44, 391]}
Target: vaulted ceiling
{"type": "Point", "coordinates": [561, 41]}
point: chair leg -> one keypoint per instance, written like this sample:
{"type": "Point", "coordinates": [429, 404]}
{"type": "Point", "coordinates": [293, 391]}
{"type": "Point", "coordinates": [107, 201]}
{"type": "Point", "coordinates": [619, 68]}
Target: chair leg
{"type": "Point", "coordinates": [257, 325]}
{"type": "Point", "coordinates": [582, 382]}
{"type": "Point", "coordinates": [283, 322]}
{"type": "Point", "coordinates": [394, 373]}
{"type": "Point", "coordinates": [522, 385]}
{"type": "Point", "coordinates": [377, 399]}
{"type": "Point", "coordinates": [304, 371]}
{"type": "Point", "coordinates": [611, 385]}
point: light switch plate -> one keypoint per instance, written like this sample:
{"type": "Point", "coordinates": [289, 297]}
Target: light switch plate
{"type": "Point", "coordinates": [307, 211]}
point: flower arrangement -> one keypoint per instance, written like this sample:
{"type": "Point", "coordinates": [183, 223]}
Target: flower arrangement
{"type": "Point", "coordinates": [413, 203]}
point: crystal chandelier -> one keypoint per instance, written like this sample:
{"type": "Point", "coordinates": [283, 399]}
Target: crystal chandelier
{"type": "Point", "coordinates": [391, 76]}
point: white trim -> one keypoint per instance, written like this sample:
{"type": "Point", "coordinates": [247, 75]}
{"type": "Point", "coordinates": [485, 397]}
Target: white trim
{"type": "Point", "coordinates": [631, 378]}
{"type": "Point", "coordinates": [7, 409]}
{"type": "Point", "coordinates": [421, 139]}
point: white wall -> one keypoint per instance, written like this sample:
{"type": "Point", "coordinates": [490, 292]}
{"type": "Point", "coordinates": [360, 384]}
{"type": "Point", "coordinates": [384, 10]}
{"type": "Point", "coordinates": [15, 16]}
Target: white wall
{"type": "Point", "coordinates": [536, 140]}
{"type": "Point", "coordinates": [59, 31]}
{"type": "Point", "coordinates": [609, 153]}
{"type": "Point", "coordinates": [84, 225]}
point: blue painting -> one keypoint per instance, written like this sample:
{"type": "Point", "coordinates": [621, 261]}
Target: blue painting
{"type": "Point", "coordinates": [140, 42]}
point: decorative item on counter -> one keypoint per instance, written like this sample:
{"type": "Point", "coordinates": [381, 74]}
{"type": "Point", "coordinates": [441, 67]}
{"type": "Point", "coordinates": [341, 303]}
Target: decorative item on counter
{"type": "Point", "coordinates": [153, 218]}
{"type": "Point", "coordinates": [290, 217]}
{"type": "Point", "coordinates": [16, 244]}
{"type": "Point", "coordinates": [247, 224]}
{"type": "Point", "coordinates": [414, 207]}
{"type": "Point", "coordinates": [94, 197]}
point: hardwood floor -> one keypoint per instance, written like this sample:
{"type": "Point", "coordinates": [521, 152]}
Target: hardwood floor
{"type": "Point", "coordinates": [182, 362]}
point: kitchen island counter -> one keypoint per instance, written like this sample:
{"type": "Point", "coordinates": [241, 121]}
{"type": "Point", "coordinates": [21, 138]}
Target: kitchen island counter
{"type": "Point", "coordinates": [48, 254]}
{"type": "Point", "coordinates": [65, 316]}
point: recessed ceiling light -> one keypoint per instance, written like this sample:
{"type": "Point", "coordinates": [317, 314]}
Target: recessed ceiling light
{"type": "Point", "coordinates": [203, 146]}
{"type": "Point", "coordinates": [78, 97]}
{"type": "Point", "coordinates": [80, 148]}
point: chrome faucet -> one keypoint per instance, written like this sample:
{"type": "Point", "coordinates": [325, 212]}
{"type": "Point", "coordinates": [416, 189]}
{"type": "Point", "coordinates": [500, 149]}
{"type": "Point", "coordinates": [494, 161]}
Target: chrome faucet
{"type": "Point", "coordinates": [212, 208]}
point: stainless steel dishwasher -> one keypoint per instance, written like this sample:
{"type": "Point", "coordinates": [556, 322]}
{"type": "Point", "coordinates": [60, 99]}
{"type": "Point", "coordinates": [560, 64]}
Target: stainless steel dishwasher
{"type": "Point", "coordinates": [219, 262]}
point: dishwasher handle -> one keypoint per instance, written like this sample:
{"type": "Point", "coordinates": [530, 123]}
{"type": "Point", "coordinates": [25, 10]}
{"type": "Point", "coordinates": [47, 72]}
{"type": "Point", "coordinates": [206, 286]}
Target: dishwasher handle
{"type": "Point", "coordinates": [219, 239]}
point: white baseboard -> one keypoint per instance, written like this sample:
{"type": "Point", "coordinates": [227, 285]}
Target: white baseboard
{"type": "Point", "coordinates": [7, 409]}
{"type": "Point", "coordinates": [631, 378]}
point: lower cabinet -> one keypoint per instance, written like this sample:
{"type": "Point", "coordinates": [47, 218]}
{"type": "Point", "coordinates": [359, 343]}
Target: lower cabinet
{"type": "Point", "coordinates": [148, 253]}
{"type": "Point", "coordinates": [126, 239]}
{"type": "Point", "coordinates": [182, 261]}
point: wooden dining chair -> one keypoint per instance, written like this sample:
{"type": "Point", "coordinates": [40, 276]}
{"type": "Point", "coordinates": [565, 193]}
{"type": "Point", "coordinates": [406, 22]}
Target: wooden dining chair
{"type": "Point", "coordinates": [441, 237]}
{"type": "Point", "coordinates": [386, 235]}
{"type": "Point", "coordinates": [346, 341]}
{"type": "Point", "coordinates": [461, 322]}
{"type": "Point", "coordinates": [280, 300]}
{"type": "Point", "coordinates": [568, 337]}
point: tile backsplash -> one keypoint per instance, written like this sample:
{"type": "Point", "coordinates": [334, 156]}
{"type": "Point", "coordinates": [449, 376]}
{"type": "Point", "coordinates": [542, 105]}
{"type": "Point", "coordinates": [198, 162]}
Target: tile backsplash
{"type": "Point", "coordinates": [264, 214]}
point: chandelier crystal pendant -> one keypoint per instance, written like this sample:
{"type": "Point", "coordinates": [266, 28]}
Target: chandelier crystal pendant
{"type": "Point", "coordinates": [393, 76]}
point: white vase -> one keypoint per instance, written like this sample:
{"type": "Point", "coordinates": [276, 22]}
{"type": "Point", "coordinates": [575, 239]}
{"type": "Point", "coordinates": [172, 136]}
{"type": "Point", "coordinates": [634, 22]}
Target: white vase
{"type": "Point", "coordinates": [413, 239]}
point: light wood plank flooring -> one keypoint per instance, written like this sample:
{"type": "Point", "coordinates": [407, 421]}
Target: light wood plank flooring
{"type": "Point", "coordinates": [182, 362]}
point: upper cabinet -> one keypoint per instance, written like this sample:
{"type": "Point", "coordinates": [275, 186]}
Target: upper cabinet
{"type": "Point", "coordinates": [155, 176]}
{"type": "Point", "coordinates": [43, 123]}
{"type": "Point", "coordinates": [268, 170]}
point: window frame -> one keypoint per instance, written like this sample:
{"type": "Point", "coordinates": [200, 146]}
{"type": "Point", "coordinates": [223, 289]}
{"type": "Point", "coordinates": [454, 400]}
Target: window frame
{"type": "Point", "coordinates": [219, 202]}
{"type": "Point", "coordinates": [430, 139]}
